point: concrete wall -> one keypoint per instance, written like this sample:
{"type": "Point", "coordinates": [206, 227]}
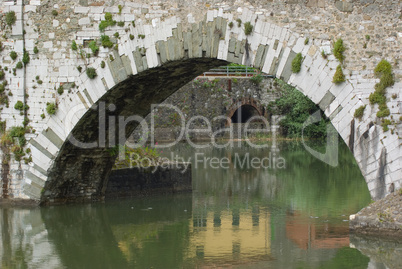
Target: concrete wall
{"type": "Point", "coordinates": [181, 40]}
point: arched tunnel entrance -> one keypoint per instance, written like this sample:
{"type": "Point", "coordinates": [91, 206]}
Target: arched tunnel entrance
{"type": "Point", "coordinates": [82, 167]}
{"type": "Point", "coordinates": [244, 113]}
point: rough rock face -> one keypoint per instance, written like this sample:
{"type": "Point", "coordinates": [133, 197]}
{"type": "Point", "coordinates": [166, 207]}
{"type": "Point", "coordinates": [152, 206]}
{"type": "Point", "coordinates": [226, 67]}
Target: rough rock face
{"type": "Point", "coordinates": [383, 217]}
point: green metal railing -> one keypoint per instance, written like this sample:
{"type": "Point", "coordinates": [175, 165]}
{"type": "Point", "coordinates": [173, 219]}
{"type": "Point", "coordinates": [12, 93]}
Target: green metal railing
{"type": "Point", "coordinates": [231, 71]}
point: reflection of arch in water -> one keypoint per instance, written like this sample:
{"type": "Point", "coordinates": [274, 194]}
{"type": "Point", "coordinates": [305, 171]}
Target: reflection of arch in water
{"type": "Point", "coordinates": [243, 109]}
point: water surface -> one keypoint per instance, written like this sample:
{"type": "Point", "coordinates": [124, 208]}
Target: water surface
{"type": "Point", "coordinates": [292, 216]}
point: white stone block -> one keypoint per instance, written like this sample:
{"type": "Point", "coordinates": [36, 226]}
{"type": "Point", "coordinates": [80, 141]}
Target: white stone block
{"type": "Point", "coordinates": [96, 10]}
{"type": "Point", "coordinates": [129, 17]}
{"type": "Point", "coordinates": [84, 21]}
{"type": "Point", "coordinates": [82, 10]}
{"type": "Point", "coordinates": [19, 46]}
{"type": "Point", "coordinates": [17, 28]}
{"type": "Point", "coordinates": [30, 8]}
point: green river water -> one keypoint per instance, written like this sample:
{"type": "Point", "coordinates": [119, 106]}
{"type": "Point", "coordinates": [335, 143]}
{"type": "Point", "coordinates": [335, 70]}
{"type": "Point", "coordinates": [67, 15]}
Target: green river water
{"type": "Point", "coordinates": [291, 215]}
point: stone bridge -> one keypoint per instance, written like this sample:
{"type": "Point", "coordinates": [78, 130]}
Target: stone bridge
{"type": "Point", "coordinates": [151, 49]}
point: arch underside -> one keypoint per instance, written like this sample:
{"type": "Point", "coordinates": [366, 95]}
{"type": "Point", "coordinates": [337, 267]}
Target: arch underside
{"type": "Point", "coordinates": [81, 174]}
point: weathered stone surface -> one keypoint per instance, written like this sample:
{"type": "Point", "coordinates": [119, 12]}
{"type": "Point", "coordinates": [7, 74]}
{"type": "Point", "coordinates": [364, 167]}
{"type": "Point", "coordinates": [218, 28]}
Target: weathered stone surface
{"type": "Point", "coordinates": [149, 181]}
{"type": "Point", "coordinates": [326, 100]}
{"type": "Point", "coordinates": [344, 6]}
{"type": "Point", "coordinates": [381, 218]}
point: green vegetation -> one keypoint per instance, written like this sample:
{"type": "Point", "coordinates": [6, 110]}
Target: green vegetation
{"type": "Point", "coordinates": [91, 72]}
{"type": "Point", "coordinates": [230, 25]}
{"type": "Point", "coordinates": [359, 112]}
{"type": "Point", "coordinates": [11, 18]}
{"type": "Point", "coordinates": [306, 41]}
{"type": "Point", "coordinates": [120, 24]}
{"type": "Point", "coordinates": [339, 49]}
{"type": "Point", "coordinates": [60, 90]}
{"type": "Point", "coordinates": [297, 108]}
{"type": "Point", "coordinates": [14, 139]}
{"type": "Point", "coordinates": [385, 123]}
{"type": "Point", "coordinates": [25, 57]}
{"type": "Point", "coordinates": [120, 8]}
{"type": "Point", "coordinates": [323, 54]}
{"type": "Point", "coordinates": [19, 106]}
{"type": "Point", "coordinates": [238, 22]}
{"type": "Point", "coordinates": [51, 108]}
{"type": "Point", "coordinates": [42, 116]}
{"type": "Point", "coordinates": [116, 35]}
{"type": "Point", "coordinates": [367, 38]}
{"type": "Point", "coordinates": [256, 79]}
{"type": "Point", "coordinates": [2, 74]}
{"type": "Point", "coordinates": [383, 71]}
{"type": "Point", "coordinates": [106, 43]}
{"type": "Point", "coordinates": [248, 28]}
{"type": "Point", "coordinates": [36, 50]}
{"type": "Point", "coordinates": [19, 65]}
{"type": "Point", "coordinates": [141, 36]}
{"type": "Point", "coordinates": [339, 77]}
{"type": "Point", "coordinates": [107, 22]}
{"type": "Point", "coordinates": [383, 112]}
{"type": "Point", "coordinates": [55, 12]}
{"type": "Point", "coordinates": [74, 45]}
{"type": "Point", "coordinates": [95, 49]}
{"type": "Point", "coordinates": [103, 64]}
{"type": "Point", "coordinates": [382, 68]}
{"type": "Point", "coordinates": [131, 37]}
{"type": "Point", "coordinates": [296, 63]}
{"type": "Point", "coordinates": [13, 55]}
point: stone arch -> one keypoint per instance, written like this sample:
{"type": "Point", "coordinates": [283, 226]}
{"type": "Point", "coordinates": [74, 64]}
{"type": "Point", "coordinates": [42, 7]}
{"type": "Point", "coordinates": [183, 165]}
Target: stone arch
{"type": "Point", "coordinates": [143, 72]}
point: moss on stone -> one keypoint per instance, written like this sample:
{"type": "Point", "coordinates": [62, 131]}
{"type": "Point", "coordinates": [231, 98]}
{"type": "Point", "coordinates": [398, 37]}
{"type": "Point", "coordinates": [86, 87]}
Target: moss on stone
{"type": "Point", "coordinates": [339, 49]}
{"type": "Point", "coordinates": [91, 72]}
{"type": "Point", "coordinates": [248, 28]}
{"type": "Point", "coordinates": [359, 112]}
{"type": "Point", "coordinates": [339, 77]}
{"type": "Point", "coordinates": [296, 63]}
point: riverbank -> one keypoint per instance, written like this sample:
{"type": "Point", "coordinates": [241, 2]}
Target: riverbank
{"type": "Point", "coordinates": [382, 218]}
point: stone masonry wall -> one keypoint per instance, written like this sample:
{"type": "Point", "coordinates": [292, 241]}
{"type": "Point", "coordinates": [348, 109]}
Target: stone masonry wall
{"type": "Point", "coordinates": [209, 97]}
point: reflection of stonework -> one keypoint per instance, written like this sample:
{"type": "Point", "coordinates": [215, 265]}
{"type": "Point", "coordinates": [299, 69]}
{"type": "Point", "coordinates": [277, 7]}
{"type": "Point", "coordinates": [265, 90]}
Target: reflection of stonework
{"type": "Point", "coordinates": [31, 247]}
